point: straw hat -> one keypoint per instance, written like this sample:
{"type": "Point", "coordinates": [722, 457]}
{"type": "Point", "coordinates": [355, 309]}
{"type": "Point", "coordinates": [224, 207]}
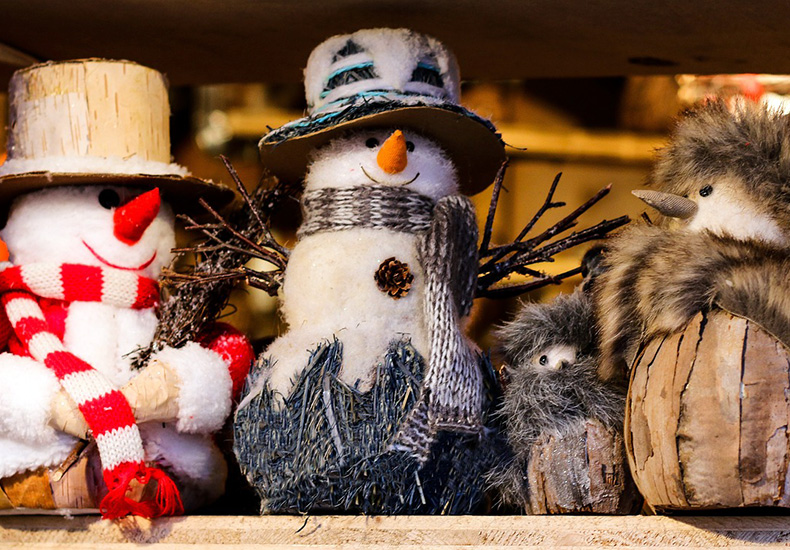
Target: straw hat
{"type": "Point", "coordinates": [95, 122]}
{"type": "Point", "coordinates": [386, 78]}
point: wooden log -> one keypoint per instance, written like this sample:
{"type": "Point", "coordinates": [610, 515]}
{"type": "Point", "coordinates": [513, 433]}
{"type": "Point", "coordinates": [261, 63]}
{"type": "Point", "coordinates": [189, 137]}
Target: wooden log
{"type": "Point", "coordinates": [5, 502]}
{"type": "Point", "coordinates": [707, 431]}
{"type": "Point", "coordinates": [29, 490]}
{"type": "Point", "coordinates": [583, 470]}
{"type": "Point", "coordinates": [707, 417]}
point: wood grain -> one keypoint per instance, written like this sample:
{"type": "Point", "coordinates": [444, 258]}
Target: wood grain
{"type": "Point", "coordinates": [764, 411]}
{"type": "Point", "coordinates": [422, 532]}
{"type": "Point", "coordinates": [89, 109]}
{"type": "Point", "coordinates": [29, 490]}
{"type": "Point", "coordinates": [708, 416]}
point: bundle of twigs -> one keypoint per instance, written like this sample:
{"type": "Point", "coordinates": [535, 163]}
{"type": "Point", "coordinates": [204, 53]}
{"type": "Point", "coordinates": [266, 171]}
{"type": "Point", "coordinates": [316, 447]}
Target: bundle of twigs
{"type": "Point", "coordinates": [196, 295]}
{"type": "Point", "coordinates": [499, 262]}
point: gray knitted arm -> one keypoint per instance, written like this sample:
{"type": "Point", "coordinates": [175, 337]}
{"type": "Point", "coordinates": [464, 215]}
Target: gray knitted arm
{"type": "Point", "coordinates": [454, 220]}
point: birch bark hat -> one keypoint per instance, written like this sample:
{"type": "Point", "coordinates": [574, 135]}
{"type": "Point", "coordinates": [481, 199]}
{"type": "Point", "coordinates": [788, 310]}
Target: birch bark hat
{"type": "Point", "coordinates": [392, 78]}
{"type": "Point", "coordinates": [96, 122]}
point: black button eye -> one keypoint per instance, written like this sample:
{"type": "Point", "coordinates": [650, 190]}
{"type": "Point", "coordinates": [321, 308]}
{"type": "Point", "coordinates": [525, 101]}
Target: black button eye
{"type": "Point", "coordinates": [705, 191]}
{"type": "Point", "coordinates": [109, 198]}
{"type": "Point", "coordinates": [544, 360]}
{"type": "Point", "coordinates": [409, 146]}
{"type": "Point", "coordinates": [372, 143]}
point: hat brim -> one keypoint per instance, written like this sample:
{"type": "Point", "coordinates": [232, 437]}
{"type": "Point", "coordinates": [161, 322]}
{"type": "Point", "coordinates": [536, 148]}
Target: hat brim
{"type": "Point", "coordinates": [471, 142]}
{"type": "Point", "coordinates": [181, 192]}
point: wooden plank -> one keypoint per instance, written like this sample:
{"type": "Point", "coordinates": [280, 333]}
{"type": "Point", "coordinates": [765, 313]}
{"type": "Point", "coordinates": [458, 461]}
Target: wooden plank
{"type": "Point", "coordinates": [422, 532]}
{"type": "Point", "coordinates": [708, 431]}
{"type": "Point", "coordinates": [764, 416]}
{"type": "Point", "coordinates": [194, 42]}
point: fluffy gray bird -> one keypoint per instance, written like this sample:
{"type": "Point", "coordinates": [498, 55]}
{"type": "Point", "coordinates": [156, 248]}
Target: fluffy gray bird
{"type": "Point", "coordinates": [722, 187]}
{"type": "Point", "coordinates": [551, 360]}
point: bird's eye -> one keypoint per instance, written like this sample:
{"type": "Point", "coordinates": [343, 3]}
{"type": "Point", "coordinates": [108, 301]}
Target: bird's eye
{"type": "Point", "coordinates": [705, 191]}
{"type": "Point", "coordinates": [544, 360]}
{"type": "Point", "coordinates": [410, 146]}
{"type": "Point", "coordinates": [372, 143]}
{"type": "Point", "coordinates": [109, 198]}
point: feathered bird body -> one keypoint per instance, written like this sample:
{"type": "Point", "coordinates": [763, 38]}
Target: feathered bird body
{"type": "Point", "coordinates": [552, 389]}
{"type": "Point", "coordinates": [722, 186]}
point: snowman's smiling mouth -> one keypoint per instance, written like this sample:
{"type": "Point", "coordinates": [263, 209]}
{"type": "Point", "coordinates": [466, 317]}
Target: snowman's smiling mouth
{"type": "Point", "coordinates": [105, 262]}
{"type": "Point", "coordinates": [371, 178]}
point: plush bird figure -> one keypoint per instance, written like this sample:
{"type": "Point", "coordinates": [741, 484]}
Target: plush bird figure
{"type": "Point", "coordinates": [552, 396]}
{"type": "Point", "coordinates": [722, 187]}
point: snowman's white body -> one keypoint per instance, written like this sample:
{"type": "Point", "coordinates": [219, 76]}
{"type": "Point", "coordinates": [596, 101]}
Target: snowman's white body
{"type": "Point", "coordinates": [329, 288]}
{"type": "Point", "coordinates": [53, 226]}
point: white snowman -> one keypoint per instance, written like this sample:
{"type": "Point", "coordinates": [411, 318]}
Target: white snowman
{"type": "Point", "coordinates": [329, 285]}
{"type": "Point", "coordinates": [387, 246]}
{"type": "Point", "coordinates": [88, 235]}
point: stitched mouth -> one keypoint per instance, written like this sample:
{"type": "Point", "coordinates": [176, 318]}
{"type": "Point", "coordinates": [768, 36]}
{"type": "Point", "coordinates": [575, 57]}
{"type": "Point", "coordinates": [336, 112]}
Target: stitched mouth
{"type": "Point", "coordinates": [374, 180]}
{"type": "Point", "coordinates": [105, 262]}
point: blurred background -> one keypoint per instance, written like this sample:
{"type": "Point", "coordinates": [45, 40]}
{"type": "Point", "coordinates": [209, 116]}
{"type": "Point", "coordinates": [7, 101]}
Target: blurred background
{"type": "Point", "coordinates": [588, 89]}
{"type": "Point", "coordinates": [595, 131]}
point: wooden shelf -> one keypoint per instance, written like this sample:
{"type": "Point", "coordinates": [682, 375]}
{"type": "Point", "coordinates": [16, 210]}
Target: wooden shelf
{"type": "Point", "coordinates": [423, 532]}
{"type": "Point", "coordinates": [203, 41]}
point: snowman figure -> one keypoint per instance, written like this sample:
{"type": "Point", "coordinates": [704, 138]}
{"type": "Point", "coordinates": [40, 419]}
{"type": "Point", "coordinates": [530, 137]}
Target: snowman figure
{"type": "Point", "coordinates": [387, 251]}
{"type": "Point", "coordinates": [357, 299]}
{"type": "Point", "coordinates": [88, 234]}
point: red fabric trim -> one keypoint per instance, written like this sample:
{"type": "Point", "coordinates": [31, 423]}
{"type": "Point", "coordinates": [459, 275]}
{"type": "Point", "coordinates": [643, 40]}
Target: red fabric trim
{"type": "Point", "coordinates": [28, 327]}
{"type": "Point", "coordinates": [81, 283]}
{"type": "Point", "coordinates": [234, 348]}
{"type": "Point", "coordinates": [63, 363]}
{"type": "Point", "coordinates": [107, 413]}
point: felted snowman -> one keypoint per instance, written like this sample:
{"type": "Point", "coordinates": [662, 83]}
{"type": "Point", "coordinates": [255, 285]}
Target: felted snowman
{"type": "Point", "coordinates": [88, 234]}
{"type": "Point", "coordinates": [382, 274]}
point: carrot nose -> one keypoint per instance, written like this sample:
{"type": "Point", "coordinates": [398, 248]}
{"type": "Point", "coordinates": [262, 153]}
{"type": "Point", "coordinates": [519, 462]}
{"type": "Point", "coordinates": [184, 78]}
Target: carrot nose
{"type": "Point", "coordinates": [392, 155]}
{"type": "Point", "coordinates": [133, 218]}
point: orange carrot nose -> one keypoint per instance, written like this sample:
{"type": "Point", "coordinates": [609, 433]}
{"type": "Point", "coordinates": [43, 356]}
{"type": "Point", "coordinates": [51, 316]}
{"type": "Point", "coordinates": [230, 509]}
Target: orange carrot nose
{"type": "Point", "coordinates": [3, 252]}
{"type": "Point", "coordinates": [133, 218]}
{"type": "Point", "coordinates": [392, 155]}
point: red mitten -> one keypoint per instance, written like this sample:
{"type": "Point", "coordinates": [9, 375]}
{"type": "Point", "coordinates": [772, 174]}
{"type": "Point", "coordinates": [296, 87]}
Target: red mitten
{"type": "Point", "coordinates": [233, 347]}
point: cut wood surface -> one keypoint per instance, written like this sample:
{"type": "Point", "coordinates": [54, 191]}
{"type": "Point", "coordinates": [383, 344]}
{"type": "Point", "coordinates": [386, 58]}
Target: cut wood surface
{"type": "Point", "coordinates": [422, 532]}
{"type": "Point", "coordinates": [90, 109]}
{"type": "Point", "coordinates": [583, 471]}
{"type": "Point", "coordinates": [707, 417]}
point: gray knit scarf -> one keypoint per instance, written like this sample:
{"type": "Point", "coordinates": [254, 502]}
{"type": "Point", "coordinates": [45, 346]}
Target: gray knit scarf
{"type": "Point", "coordinates": [452, 392]}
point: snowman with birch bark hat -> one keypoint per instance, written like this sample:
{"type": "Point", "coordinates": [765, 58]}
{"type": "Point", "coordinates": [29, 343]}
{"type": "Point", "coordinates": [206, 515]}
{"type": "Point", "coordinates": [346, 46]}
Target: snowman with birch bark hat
{"type": "Point", "coordinates": [89, 228]}
{"type": "Point", "coordinates": [386, 261]}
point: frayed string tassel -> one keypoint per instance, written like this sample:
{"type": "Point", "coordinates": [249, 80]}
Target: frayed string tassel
{"type": "Point", "coordinates": [166, 502]}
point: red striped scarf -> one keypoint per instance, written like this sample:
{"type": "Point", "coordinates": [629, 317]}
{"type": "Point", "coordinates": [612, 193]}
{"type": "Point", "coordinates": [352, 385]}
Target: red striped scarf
{"type": "Point", "coordinates": [106, 410]}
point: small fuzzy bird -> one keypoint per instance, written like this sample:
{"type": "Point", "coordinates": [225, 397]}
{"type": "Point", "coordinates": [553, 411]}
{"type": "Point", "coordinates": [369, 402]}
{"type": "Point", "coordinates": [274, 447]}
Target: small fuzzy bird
{"type": "Point", "coordinates": [551, 361]}
{"type": "Point", "coordinates": [722, 187]}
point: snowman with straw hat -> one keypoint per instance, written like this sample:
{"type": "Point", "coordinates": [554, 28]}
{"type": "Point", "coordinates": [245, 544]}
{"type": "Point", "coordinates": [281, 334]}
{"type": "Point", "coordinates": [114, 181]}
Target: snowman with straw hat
{"type": "Point", "coordinates": [91, 191]}
{"type": "Point", "coordinates": [387, 251]}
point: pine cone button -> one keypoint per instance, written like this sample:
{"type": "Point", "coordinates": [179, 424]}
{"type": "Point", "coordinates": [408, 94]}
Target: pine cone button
{"type": "Point", "coordinates": [394, 278]}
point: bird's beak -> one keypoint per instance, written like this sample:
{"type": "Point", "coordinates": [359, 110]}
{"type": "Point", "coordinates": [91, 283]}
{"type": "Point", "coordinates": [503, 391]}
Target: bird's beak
{"type": "Point", "coordinates": [392, 157]}
{"type": "Point", "coordinates": [673, 206]}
